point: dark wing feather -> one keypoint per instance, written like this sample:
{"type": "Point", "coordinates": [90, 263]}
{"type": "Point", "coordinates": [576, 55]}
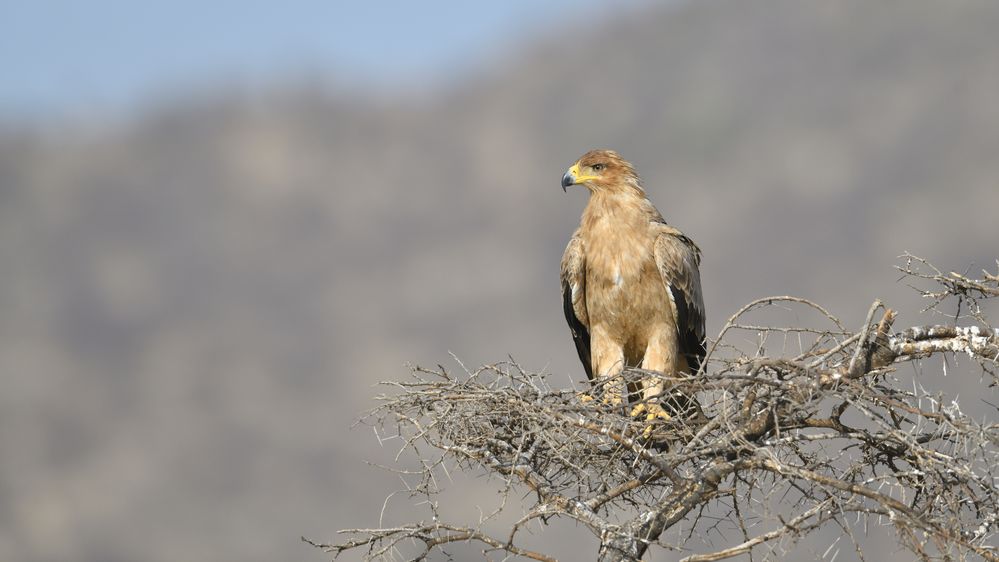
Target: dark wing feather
{"type": "Point", "coordinates": [678, 259]}
{"type": "Point", "coordinates": [573, 276]}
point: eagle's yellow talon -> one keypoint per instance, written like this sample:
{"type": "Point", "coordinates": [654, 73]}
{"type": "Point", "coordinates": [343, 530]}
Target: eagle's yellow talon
{"type": "Point", "coordinates": [609, 399]}
{"type": "Point", "coordinates": [652, 412]}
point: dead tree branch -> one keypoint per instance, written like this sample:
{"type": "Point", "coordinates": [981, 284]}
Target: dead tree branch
{"type": "Point", "coordinates": [823, 431]}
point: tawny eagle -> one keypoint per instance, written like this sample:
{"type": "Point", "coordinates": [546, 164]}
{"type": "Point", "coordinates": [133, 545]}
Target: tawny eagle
{"type": "Point", "coordinates": [630, 282]}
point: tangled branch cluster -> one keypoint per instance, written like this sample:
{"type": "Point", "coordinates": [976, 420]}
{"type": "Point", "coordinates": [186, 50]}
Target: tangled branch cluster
{"type": "Point", "coordinates": [781, 444]}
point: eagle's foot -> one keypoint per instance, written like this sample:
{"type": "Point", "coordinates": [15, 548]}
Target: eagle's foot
{"type": "Point", "coordinates": [652, 412]}
{"type": "Point", "coordinates": [608, 399]}
{"type": "Point", "coordinates": [612, 399]}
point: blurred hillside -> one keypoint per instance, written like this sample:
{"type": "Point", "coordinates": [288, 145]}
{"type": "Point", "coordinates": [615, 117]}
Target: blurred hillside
{"type": "Point", "coordinates": [197, 303]}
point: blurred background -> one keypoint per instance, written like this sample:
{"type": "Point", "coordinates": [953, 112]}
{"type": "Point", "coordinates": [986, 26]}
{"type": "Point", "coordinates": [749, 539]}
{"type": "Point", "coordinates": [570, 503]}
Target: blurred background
{"type": "Point", "coordinates": [221, 224]}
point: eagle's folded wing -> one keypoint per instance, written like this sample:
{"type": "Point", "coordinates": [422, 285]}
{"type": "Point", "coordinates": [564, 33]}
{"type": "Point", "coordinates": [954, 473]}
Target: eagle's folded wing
{"type": "Point", "coordinates": [573, 277]}
{"type": "Point", "coordinates": [678, 259]}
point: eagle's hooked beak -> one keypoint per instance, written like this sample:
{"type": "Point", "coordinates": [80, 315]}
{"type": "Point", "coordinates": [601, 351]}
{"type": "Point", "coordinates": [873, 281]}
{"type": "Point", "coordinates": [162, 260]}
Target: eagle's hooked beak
{"type": "Point", "coordinates": [568, 179]}
{"type": "Point", "coordinates": [573, 177]}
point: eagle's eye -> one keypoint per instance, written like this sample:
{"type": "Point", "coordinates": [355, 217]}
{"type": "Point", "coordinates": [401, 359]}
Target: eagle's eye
{"type": "Point", "coordinates": [598, 167]}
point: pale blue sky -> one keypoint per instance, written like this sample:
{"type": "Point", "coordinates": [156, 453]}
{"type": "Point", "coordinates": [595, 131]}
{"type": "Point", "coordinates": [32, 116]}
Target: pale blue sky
{"type": "Point", "coordinates": [75, 56]}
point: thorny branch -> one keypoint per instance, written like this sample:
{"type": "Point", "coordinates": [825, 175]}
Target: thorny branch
{"type": "Point", "coordinates": [779, 445]}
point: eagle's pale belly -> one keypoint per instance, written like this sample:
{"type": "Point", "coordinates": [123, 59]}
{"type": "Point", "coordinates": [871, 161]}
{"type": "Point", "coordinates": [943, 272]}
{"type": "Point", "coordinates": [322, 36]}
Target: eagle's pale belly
{"type": "Point", "coordinates": [630, 299]}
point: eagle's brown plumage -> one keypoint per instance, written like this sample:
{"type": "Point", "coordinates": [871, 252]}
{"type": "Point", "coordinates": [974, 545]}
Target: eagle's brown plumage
{"type": "Point", "coordinates": [630, 282]}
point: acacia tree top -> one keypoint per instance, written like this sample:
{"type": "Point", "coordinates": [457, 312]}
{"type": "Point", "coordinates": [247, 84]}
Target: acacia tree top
{"type": "Point", "coordinates": [778, 445]}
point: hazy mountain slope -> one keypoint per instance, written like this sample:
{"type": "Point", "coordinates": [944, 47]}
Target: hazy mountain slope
{"type": "Point", "coordinates": [197, 303]}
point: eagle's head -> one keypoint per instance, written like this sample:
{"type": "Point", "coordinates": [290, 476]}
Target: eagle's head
{"type": "Point", "coordinates": [602, 170]}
